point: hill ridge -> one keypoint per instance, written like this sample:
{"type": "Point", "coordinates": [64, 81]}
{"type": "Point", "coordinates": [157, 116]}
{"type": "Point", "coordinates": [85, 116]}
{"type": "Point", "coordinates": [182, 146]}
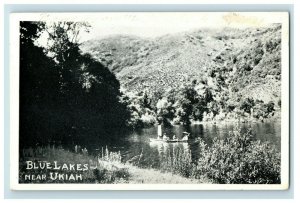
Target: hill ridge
{"type": "Point", "coordinates": [235, 61]}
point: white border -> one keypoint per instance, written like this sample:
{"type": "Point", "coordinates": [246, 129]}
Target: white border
{"type": "Point", "coordinates": [276, 17]}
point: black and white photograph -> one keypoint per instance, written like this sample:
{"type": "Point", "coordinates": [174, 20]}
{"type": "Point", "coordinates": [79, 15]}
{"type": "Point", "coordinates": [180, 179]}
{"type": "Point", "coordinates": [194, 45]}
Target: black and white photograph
{"type": "Point", "coordinates": [150, 100]}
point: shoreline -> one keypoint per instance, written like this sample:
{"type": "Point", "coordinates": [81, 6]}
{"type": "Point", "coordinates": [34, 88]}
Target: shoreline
{"type": "Point", "coordinates": [109, 167]}
{"type": "Point", "coordinates": [230, 121]}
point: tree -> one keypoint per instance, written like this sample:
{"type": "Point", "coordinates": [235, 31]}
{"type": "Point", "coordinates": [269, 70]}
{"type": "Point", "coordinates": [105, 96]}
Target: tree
{"type": "Point", "coordinates": [165, 111]}
{"type": "Point", "coordinates": [213, 107]}
{"type": "Point", "coordinates": [247, 105]}
{"type": "Point", "coordinates": [39, 88]}
{"type": "Point", "coordinates": [63, 47]}
{"type": "Point", "coordinates": [146, 100]}
{"type": "Point", "coordinates": [187, 98]}
{"type": "Point", "coordinates": [66, 96]}
{"type": "Point", "coordinates": [208, 96]}
{"type": "Point", "coordinates": [199, 108]}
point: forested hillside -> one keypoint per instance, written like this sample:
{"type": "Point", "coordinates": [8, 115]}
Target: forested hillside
{"type": "Point", "coordinates": [221, 72]}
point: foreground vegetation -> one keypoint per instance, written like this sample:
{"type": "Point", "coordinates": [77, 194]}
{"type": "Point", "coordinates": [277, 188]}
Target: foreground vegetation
{"type": "Point", "coordinates": [236, 160]}
{"type": "Point", "coordinates": [104, 169]}
{"type": "Point", "coordinates": [241, 160]}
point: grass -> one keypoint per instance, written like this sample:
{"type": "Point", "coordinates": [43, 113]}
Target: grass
{"type": "Point", "coordinates": [59, 156]}
{"type": "Point", "coordinates": [180, 162]}
{"type": "Point", "coordinates": [106, 168]}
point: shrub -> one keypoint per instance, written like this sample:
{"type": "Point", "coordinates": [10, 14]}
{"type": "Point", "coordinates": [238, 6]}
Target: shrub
{"type": "Point", "coordinates": [272, 45]}
{"type": "Point", "coordinates": [257, 59]}
{"type": "Point", "coordinates": [262, 110]}
{"type": "Point", "coordinates": [106, 155]}
{"type": "Point", "coordinates": [107, 171]}
{"type": "Point", "coordinates": [270, 107]}
{"type": "Point", "coordinates": [234, 59]}
{"type": "Point", "coordinates": [246, 67]}
{"type": "Point", "coordinates": [239, 160]}
{"type": "Point", "coordinates": [179, 162]}
{"type": "Point", "coordinates": [117, 175]}
{"type": "Point", "coordinates": [247, 104]}
{"type": "Point", "coordinates": [212, 73]}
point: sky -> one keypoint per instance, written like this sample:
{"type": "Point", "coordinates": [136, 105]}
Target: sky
{"type": "Point", "coordinates": [154, 24]}
{"type": "Point", "coordinates": [158, 24]}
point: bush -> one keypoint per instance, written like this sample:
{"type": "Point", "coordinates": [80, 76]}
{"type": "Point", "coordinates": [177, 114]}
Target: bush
{"type": "Point", "coordinates": [270, 107]}
{"type": "Point", "coordinates": [118, 175]}
{"type": "Point", "coordinates": [106, 171]}
{"type": "Point", "coordinates": [262, 110]}
{"type": "Point", "coordinates": [178, 162]}
{"type": "Point", "coordinates": [239, 160]}
{"type": "Point", "coordinates": [247, 104]}
{"type": "Point", "coordinates": [246, 67]}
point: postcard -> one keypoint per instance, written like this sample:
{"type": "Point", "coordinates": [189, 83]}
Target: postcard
{"type": "Point", "coordinates": [149, 101]}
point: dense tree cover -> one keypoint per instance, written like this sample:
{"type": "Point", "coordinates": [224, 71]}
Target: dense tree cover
{"type": "Point", "coordinates": [65, 96]}
{"type": "Point", "coordinates": [140, 109]}
{"type": "Point", "coordinates": [191, 103]}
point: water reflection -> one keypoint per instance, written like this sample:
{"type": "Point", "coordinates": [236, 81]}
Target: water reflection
{"type": "Point", "coordinates": [134, 143]}
{"type": "Point", "coordinates": [164, 148]}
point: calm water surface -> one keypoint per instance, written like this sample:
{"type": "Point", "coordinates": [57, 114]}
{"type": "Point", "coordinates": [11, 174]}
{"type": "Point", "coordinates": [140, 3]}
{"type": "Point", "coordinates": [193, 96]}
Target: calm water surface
{"type": "Point", "coordinates": [137, 142]}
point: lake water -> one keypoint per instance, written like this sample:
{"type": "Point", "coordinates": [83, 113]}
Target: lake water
{"type": "Point", "coordinates": [137, 142]}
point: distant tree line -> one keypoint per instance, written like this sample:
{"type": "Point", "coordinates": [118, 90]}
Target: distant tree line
{"type": "Point", "coordinates": [185, 105]}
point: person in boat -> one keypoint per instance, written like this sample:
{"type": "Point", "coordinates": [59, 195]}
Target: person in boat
{"type": "Point", "coordinates": [159, 132]}
{"type": "Point", "coordinates": [175, 137]}
{"type": "Point", "coordinates": [165, 137]}
{"type": "Point", "coordinates": [185, 136]}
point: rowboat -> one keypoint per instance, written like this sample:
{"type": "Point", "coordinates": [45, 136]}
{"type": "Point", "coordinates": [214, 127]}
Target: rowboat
{"type": "Point", "coordinates": [167, 141]}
